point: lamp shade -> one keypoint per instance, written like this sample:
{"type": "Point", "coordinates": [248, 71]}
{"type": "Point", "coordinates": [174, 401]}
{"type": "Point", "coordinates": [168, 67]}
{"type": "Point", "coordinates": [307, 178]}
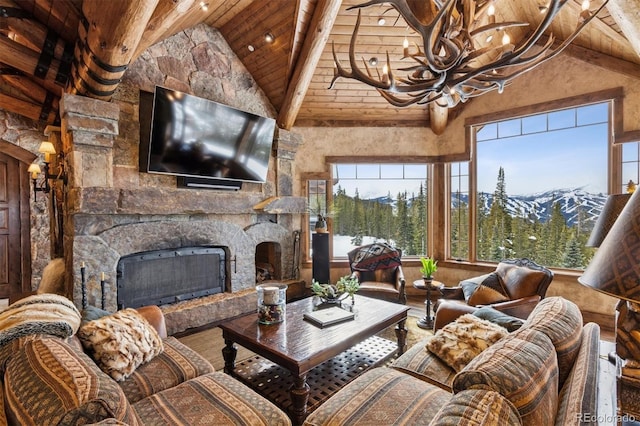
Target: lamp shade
{"type": "Point", "coordinates": [46, 147]}
{"type": "Point", "coordinates": [615, 268]}
{"type": "Point", "coordinates": [610, 212]}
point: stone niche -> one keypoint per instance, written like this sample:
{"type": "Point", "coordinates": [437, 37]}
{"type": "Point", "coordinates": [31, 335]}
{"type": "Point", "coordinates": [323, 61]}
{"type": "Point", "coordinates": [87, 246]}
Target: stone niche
{"type": "Point", "coordinates": [104, 222]}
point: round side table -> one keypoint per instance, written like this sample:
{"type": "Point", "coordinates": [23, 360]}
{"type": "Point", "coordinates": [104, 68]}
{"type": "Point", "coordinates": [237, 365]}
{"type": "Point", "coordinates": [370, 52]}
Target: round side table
{"type": "Point", "coordinates": [427, 321]}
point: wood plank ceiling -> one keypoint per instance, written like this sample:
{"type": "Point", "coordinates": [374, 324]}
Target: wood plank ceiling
{"type": "Point", "coordinates": [294, 71]}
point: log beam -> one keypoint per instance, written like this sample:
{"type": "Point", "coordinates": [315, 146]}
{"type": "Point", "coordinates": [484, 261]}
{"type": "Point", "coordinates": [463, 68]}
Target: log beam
{"type": "Point", "coordinates": [24, 108]}
{"type": "Point", "coordinates": [32, 90]}
{"type": "Point", "coordinates": [626, 13]}
{"type": "Point", "coordinates": [163, 22]}
{"type": "Point", "coordinates": [108, 39]}
{"type": "Point", "coordinates": [438, 118]}
{"type": "Point", "coordinates": [24, 59]}
{"type": "Point", "coordinates": [312, 48]}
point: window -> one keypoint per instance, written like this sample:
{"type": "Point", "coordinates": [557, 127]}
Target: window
{"type": "Point", "coordinates": [373, 202]}
{"type": "Point", "coordinates": [630, 164]}
{"type": "Point", "coordinates": [540, 181]}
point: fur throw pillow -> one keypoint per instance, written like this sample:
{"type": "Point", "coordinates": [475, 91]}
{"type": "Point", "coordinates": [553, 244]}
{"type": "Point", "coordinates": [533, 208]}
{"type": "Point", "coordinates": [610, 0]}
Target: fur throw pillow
{"type": "Point", "coordinates": [120, 342]}
{"type": "Point", "coordinates": [53, 278]}
{"type": "Point", "coordinates": [458, 342]}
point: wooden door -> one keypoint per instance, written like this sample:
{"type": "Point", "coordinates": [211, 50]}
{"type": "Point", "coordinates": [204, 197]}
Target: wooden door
{"type": "Point", "coordinates": [10, 227]}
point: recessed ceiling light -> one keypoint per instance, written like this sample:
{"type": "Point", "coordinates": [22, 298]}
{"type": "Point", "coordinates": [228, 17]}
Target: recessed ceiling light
{"type": "Point", "coordinates": [381, 21]}
{"type": "Point", "coordinates": [269, 38]}
{"type": "Point", "coordinates": [373, 61]}
{"type": "Point", "coordinates": [251, 48]}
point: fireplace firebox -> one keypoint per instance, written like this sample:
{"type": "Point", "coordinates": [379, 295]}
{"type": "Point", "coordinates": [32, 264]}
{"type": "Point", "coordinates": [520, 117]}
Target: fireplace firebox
{"type": "Point", "coordinates": [172, 275]}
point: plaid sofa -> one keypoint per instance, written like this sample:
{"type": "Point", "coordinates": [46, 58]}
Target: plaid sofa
{"type": "Point", "coordinates": [544, 373]}
{"type": "Point", "coordinates": [49, 380]}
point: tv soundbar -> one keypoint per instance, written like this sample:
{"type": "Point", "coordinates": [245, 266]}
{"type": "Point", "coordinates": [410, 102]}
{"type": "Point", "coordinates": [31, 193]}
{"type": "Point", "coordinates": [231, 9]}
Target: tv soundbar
{"type": "Point", "coordinates": [209, 183]}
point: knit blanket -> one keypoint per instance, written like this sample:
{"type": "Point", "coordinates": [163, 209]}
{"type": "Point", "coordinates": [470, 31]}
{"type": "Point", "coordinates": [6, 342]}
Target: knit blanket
{"type": "Point", "coordinates": [374, 256]}
{"type": "Point", "coordinates": [49, 314]}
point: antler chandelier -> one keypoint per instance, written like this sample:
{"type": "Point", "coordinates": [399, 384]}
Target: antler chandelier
{"type": "Point", "coordinates": [464, 51]}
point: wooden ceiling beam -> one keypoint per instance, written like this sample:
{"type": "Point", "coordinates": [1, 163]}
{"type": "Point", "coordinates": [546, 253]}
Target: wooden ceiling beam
{"type": "Point", "coordinates": [319, 30]}
{"type": "Point", "coordinates": [169, 17]}
{"type": "Point", "coordinates": [35, 34]}
{"type": "Point", "coordinates": [601, 60]}
{"type": "Point", "coordinates": [26, 60]}
{"type": "Point", "coordinates": [32, 90]}
{"type": "Point", "coordinates": [108, 40]}
{"type": "Point", "coordinates": [626, 13]}
{"type": "Point", "coordinates": [24, 108]}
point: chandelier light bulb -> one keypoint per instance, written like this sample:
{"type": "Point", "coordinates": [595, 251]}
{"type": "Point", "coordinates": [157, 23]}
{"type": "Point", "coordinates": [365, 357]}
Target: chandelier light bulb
{"type": "Point", "coordinates": [405, 43]}
{"type": "Point", "coordinates": [491, 10]}
{"type": "Point", "coordinates": [506, 39]}
{"type": "Point", "coordinates": [385, 69]}
{"type": "Point", "coordinates": [586, 4]}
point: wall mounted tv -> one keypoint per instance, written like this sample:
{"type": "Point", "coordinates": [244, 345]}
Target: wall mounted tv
{"type": "Point", "coordinates": [192, 137]}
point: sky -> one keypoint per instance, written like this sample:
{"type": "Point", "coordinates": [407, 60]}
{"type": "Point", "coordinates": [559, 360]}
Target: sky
{"type": "Point", "coordinates": [534, 160]}
{"type": "Point", "coordinates": [571, 154]}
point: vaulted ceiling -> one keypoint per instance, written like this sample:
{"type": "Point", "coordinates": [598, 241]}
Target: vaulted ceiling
{"type": "Point", "coordinates": [48, 47]}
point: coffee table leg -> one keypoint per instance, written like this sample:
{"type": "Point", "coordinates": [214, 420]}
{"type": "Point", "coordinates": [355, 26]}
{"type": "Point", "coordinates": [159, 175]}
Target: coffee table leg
{"type": "Point", "coordinates": [229, 353]}
{"type": "Point", "coordinates": [299, 397]}
{"type": "Point", "coordinates": [401, 334]}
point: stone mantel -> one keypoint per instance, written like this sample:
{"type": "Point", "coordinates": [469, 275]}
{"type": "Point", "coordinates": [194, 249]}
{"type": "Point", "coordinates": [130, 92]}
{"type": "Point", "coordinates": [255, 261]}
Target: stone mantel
{"type": "Point", "coordinates": [167, 201]}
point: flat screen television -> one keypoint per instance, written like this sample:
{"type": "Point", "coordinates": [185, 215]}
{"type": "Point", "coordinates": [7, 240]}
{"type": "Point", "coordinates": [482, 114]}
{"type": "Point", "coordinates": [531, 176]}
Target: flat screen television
{"type": "Point", "coordinates": [188, 136]}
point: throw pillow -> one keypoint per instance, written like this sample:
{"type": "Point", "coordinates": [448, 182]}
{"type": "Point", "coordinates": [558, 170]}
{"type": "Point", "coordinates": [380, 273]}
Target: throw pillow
{"type": "Point", "coordinates": [91, 313]}
{"type": "Point", "coordinates": [490, 290]}
{"type": "Point", "coordinates": [120, 342]}
{"type": "Point", "coordinates": [458, 342]}
{"type": "Point", "coordinates": [495, 316]}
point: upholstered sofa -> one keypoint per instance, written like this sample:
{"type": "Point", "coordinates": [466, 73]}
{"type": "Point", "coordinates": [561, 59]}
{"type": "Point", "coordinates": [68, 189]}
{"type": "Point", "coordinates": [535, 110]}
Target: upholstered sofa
{"type": "Point", "coordinates": [543, 373]}
{"type": "Point", "coordinates": [49, 378]}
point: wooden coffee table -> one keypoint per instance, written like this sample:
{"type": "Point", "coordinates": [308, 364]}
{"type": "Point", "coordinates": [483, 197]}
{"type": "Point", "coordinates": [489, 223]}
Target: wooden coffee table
{"type": "Point", "coordinates": [299, 346]}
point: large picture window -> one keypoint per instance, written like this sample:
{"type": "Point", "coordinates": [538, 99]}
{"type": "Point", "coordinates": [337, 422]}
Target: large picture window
{"type": "Point", "coordinates": [540, 182]}
{"type": "Point", "coordinates": [373, 202]}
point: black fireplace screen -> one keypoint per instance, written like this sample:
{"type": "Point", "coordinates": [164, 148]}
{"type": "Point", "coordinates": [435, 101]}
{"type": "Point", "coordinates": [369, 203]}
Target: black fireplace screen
{"type": "Point", "coordinates": [168, 276]}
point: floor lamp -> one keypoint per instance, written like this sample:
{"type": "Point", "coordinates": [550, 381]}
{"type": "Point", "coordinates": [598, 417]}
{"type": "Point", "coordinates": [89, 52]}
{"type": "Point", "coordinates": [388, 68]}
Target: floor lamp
{"type": "Point", "coordinates": [615, 270]}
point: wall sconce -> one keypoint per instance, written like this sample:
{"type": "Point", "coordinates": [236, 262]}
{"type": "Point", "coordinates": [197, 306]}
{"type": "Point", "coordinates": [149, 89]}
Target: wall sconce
{"type": "Point", "coordinates": [47, 148]}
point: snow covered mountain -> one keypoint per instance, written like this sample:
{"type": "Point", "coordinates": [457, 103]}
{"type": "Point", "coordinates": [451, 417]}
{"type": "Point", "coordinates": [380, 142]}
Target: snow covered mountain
{"type": "Point", "coordinates": [539, 206]}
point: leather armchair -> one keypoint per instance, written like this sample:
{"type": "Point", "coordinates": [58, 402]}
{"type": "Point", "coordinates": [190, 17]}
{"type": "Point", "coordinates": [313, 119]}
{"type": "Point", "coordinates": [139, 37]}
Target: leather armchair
{"type": "Point", "coordinates": [524, 281]}
{"type": "Point", "coordinates": [385, 283]}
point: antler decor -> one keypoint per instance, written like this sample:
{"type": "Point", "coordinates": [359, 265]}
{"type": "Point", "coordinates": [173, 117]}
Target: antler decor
{"type": "Point", "coordinates": [464, 51]}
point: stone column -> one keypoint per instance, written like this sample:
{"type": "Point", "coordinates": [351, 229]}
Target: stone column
{"type": "Point", "coordinates": [89, 127]}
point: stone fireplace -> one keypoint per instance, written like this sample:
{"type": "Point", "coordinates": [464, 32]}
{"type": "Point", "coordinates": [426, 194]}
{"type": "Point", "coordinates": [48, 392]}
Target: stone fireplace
{"type": "Point", "coordinates": [114, 215]}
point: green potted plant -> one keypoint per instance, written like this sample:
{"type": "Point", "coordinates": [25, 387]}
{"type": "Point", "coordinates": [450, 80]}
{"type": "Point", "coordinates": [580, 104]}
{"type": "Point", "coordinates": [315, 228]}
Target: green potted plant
{"type": "Point", "coordinates": [329, 293]}
{"type": "Point", "coordinates": [429, 266]}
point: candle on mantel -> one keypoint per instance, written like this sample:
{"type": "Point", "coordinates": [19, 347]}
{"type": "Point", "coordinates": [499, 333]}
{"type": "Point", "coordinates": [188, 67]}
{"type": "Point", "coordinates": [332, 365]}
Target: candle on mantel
{"type": "Point", "coordinates": [102, 290]}
{"type": "Point", "coordinates": [270, 296]}
{"type": "Point", "coordinates": [83, 287]}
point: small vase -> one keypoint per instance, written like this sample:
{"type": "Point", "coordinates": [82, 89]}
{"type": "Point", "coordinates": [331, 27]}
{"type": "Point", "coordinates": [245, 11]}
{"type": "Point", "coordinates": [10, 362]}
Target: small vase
{"type": "Point", "coordinates": [321, 225]}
